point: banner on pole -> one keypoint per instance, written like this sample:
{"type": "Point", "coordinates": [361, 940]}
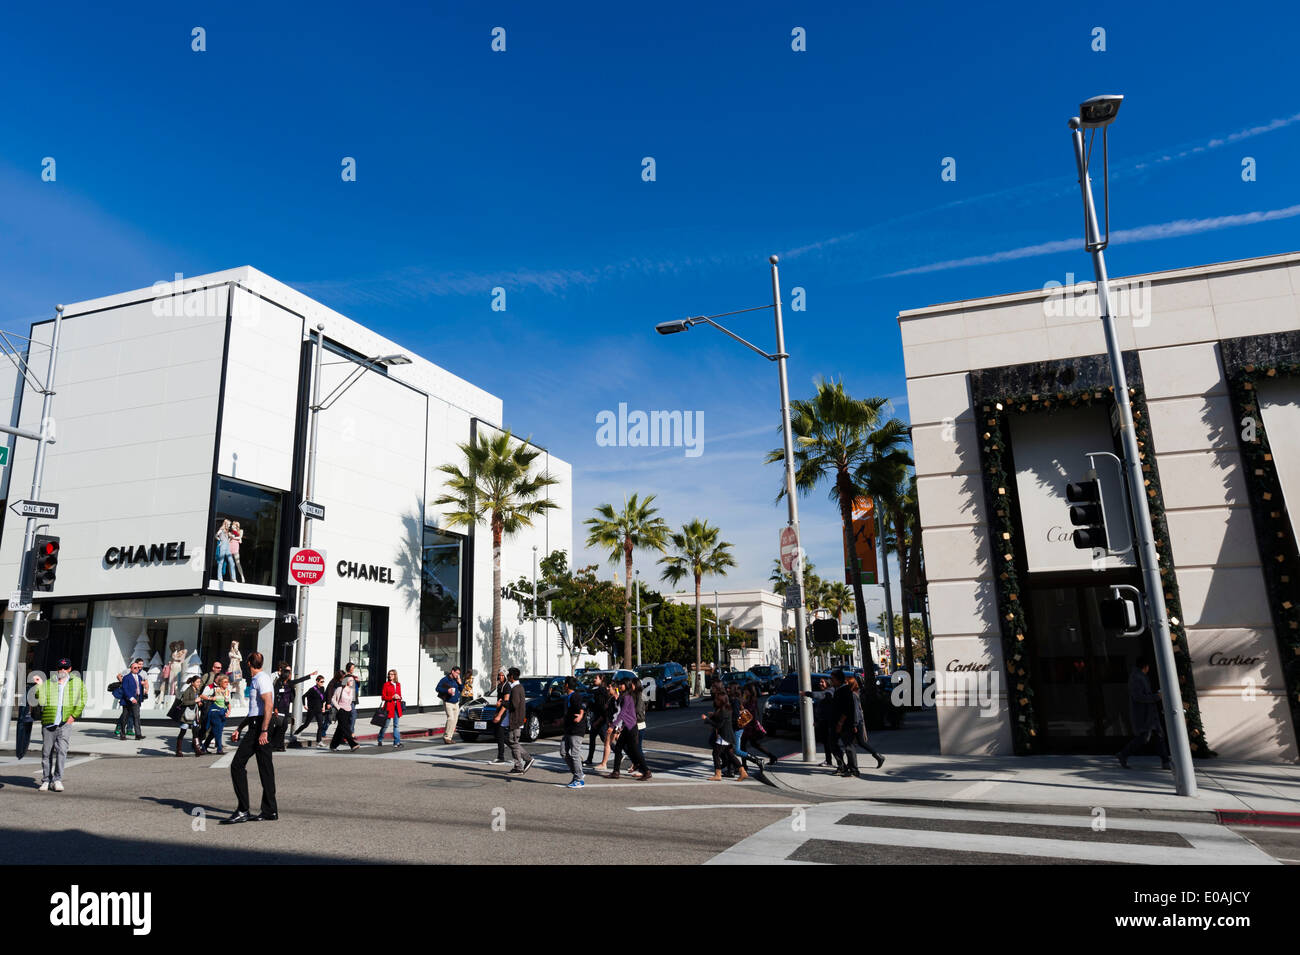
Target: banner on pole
{"type": "Point", "coordinates": [860, 564]}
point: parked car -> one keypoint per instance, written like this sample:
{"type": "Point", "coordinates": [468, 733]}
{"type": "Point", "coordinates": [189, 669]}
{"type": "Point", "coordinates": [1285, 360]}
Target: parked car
{"type": "Point", "coordinates": [768, 675]}
{"type": "Point", "coordinates": [742, 679]}
{"type": "Point", "coordinates": [545, 700]}
{"type": "Point", "coordinates": [781, 711]}
{"type": "Point", "coordinates": [669, 683]}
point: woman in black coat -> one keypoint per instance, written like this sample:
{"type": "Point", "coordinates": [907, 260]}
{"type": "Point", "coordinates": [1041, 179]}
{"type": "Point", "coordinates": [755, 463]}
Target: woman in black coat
{"type": "Point", "coordinates": [723, 737]}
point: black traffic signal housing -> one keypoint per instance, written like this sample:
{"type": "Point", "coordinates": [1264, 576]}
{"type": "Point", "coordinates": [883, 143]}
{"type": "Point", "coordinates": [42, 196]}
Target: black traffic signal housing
{"type": "Point", "coordinates": [1086, 515]}
{"type": "Point", "coordinates": [825, 632]}
{"type": "Point", "coordinates": [45, 563]}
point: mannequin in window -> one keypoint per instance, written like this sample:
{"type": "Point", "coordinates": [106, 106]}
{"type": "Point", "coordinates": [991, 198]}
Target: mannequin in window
{"type": "Point", "coordinates": [223, 551]}
{"type": "Point", "coordinates": [236, 536]}
{"type": "Point", "coordinates": [236, 669]}
{"type": "Point", "coordinates": [175, 667]}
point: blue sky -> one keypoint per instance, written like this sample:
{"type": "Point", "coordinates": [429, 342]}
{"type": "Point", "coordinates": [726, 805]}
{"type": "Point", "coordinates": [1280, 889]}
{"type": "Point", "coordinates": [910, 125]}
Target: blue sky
{"type": "Point", "coordinates": [522, 169]}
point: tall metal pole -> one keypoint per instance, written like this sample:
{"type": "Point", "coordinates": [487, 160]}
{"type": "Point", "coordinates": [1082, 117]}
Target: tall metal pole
{"type": "Point", "coordinates": [17, 641]}
{"type": "Point", "coordinates": [717, 635]}
{"type": "Point", "coordinates": [1157, 613]}
{"type": "Point", "coordinates": [304, 593]}
{"type": "Point", "coordinates": [638, 618]}
{"type": "Point", "coordinates": [889, 600]}
{"type": "Point", "coordinates": [791, 496]}
{"type": "Point", "coordinates": [536, 669]}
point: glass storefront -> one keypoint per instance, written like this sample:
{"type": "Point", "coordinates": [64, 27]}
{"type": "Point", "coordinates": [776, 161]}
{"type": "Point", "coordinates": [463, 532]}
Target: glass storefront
{"type": "Point", "coordinates": [1080, 670]}
{"type": "Point", "coordinates": [440, 598]}
{"type": "Point", "coordinates": [362, 638]}
{"type": "Point", "coordinates": [246, 534]}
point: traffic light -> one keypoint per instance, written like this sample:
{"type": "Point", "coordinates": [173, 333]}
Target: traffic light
{"type": "Point", "coordinates": [825, 632]}
{"type": "Point", "coordinates": [1086, 515]}
{"type": "Point", "coordinates": [45, 563]}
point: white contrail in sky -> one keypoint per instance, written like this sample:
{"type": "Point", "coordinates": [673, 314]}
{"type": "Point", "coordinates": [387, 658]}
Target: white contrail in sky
{"type": "Point", "coordinates": [1145, 233]}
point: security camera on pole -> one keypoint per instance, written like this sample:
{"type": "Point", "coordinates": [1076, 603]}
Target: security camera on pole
{"type": "Point", "coordinates": [1098, 113]}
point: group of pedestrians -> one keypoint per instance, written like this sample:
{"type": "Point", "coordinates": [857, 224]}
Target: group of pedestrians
{"type": "Point", "coordinates": [838, 714]}
{"type": "Point", "coordinates": [618, 709]}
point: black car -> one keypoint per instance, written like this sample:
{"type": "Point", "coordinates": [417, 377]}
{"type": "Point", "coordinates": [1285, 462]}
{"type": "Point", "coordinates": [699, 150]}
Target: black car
{"type": "Point", "coordinates": [742, 679]}
{"type": "Point", "coordinates": [545, 699]}
{"type": "Point", "coordinates": [781, 711]}
{"type": "Point", "coordinates": [671, 683]}
{"type": "Point", "coordinates": [768, 675]}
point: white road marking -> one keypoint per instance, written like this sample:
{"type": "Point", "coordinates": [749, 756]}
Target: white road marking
{"type": "Point", "coordinates": [724, 805]}
{"type": "Point", "coordinates": [223, 761]}
{"type": "Point", "coordinates": [1210, 843]}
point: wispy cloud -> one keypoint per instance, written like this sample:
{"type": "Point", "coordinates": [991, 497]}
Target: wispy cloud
{"type": "Point", "coordinates": [1146, 233]}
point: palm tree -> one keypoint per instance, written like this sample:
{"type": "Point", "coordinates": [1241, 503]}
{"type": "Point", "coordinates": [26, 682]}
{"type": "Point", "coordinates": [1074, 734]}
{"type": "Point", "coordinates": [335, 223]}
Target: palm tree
{"type": "Point", "coordinates": [832, 437]}
{"type": "Point", "coordinates": [879, 477]}
{"type": "Point", "coordinates": [496, 485]}
{"type": "Point", "coordinates": [699, 552]}
{"type": "Point", "coordinates": [780, 580]}
{"type": "Point", "coordinates": [905, 515]}
{"type": "Point", "coordinates": [838, 599]}
{"type": "Point", "coordinates": [621, 532]}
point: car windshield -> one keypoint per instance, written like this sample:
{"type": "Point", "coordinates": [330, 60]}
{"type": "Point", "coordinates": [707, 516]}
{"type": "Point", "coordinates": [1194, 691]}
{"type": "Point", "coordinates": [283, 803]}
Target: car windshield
{"type": "Point", "coordinates": [649, 671]}
{"type": "Point", "coordinates": [533, 686]}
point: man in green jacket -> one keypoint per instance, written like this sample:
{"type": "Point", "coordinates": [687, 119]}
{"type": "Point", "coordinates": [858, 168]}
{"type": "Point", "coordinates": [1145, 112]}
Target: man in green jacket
{"type": "Point", "coordinates": [61, 702]}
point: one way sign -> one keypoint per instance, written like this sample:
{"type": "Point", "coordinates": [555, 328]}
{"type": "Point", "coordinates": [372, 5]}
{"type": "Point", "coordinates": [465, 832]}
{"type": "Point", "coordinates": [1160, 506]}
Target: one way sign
{"type": "Point", "coordinates": [35, 509]}
{"type": "Point", "coordinates": [313, 510]}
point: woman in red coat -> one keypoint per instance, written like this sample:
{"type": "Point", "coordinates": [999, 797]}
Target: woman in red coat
{"type": "Point", "coordinates": [392, 709]}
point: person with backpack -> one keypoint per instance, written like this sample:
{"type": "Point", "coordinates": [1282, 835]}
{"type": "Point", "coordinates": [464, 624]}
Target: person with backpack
{"type": "Point", "coordinates": [313, 701]}
{"type": "Point", "coordinates": [62, 701]}
{"type": "Point", "coordinates": [392, 709]}
{"type": "Point", "coordinates": [723, 737]}
{"type": "Point", "coordinates": [186, 709]}
{"type": "Point", "coordinates": [448, 690]}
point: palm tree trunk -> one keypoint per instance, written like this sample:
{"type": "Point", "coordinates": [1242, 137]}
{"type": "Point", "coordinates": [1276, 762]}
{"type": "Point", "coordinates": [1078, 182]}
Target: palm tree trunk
{"type": "Point", "coordinates": [900, 528]}
{"type": "Point", "coordinates": [627, 604]}
{"type": "Point", "coordinates": [846, 494]}
{"type": "Point", "coordinates": [698, 644]}
{"type": "Point", "coordinates": [496, 594]}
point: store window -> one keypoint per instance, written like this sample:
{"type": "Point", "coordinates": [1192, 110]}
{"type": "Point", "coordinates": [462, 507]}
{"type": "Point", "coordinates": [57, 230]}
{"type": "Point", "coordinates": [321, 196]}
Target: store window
{"type": "Point", "coordinates": [440, 598]}
{"type": "Point", "coordinates": [362, 638]}
{"type": "Point", "coordinates": [246, 534]}
{"type": "Point", "coordinates": [229, 641]}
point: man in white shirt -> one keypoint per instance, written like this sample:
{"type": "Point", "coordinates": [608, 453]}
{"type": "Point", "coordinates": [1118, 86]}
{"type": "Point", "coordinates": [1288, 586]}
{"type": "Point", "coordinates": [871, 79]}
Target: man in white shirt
{"type": "Point", "coordinates": [261, 711]}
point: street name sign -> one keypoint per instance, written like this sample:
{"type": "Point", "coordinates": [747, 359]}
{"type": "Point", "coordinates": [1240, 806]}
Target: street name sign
{"type": "Point", "coordinates": [35, 509]}
{"type": "Point", "coordinates": [306, 566]}
{"type": "Point", "coordinates": [313, 510]}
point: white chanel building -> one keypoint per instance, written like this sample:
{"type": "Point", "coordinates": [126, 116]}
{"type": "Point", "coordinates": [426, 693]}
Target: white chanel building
{"type": "Point", "coordinates": [1007, 395]}
{"type": "Point", "coordinates": [184, 406]}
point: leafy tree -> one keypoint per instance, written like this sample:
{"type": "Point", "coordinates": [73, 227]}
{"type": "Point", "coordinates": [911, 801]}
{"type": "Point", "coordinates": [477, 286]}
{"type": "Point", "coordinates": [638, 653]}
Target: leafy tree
{"type": "Point", "coordinates": [590, 607]}
{"type": "Point", "coordinates": [698, 552]}
{"type": "Point", "coordinates": [880, 477]}
{"type": "Point", "coordinates": [917, 628]}
{"type": "Point", "coordinates": [495, 485]}
{"type": "Point", "coordinates": [620, 533]}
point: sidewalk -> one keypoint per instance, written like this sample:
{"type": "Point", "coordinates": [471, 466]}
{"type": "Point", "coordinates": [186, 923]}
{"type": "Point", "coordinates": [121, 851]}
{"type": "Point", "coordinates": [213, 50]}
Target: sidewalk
{"type": "Point", "coordinates": [95, 737]}
{"type": "Point", "coordinates": [1068, 782]}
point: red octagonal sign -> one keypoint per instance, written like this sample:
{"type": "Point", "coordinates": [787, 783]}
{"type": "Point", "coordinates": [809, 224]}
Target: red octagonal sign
{"type": "Point", "coordinates": [306, 566]}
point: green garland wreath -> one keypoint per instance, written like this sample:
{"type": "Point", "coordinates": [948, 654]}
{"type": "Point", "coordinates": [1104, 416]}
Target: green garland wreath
{"type": "Point", "coordinates": [1000, 489]}
{"type": "Point", "coordinates": [1277, 544]}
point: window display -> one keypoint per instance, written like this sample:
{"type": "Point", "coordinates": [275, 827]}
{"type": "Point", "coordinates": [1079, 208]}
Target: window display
{"type": "Point", "coordinates": [245, 535]}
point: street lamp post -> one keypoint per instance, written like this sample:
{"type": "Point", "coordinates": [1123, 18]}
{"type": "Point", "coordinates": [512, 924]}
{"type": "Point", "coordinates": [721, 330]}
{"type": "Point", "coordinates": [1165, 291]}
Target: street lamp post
{"type": "Point", "coordinates": [791, 492]}
{"type": "Point", "coordinates": [1098, 113]}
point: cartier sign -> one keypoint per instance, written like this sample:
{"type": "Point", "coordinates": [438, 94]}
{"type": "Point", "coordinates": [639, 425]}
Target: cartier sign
{"type": "Point", "coordinates": [1222, 660]}
{"type": "Point", "coordinates": [956, 666]}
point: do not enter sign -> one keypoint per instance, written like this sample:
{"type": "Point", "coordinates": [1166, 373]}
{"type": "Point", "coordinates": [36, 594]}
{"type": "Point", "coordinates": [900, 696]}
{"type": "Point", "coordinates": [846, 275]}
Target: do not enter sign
{"type": "Point", "coordinates": [306, 566]}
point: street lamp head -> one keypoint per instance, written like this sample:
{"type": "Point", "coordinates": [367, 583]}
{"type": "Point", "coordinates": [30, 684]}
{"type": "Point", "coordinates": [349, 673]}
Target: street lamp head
{"type": "Point", "coordinates": [1100, 111]}
{"type": "Point", "coordinates": [673, 327]}
{"type": "Point", "coordinates": [391, 360]}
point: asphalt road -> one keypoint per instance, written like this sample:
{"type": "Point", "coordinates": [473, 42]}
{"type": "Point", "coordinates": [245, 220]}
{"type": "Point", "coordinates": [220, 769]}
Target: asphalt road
{"type": "Point", "coordinates": [434, 803]}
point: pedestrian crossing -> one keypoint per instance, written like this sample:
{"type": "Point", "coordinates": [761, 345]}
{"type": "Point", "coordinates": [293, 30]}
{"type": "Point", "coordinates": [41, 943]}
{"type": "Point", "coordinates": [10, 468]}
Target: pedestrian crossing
{"type": "Point", "coordinates": [865, 833]}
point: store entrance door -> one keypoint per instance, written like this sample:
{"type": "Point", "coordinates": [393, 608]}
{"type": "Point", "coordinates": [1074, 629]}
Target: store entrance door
{"type": "Point", "coordinates": [1078, 670]}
